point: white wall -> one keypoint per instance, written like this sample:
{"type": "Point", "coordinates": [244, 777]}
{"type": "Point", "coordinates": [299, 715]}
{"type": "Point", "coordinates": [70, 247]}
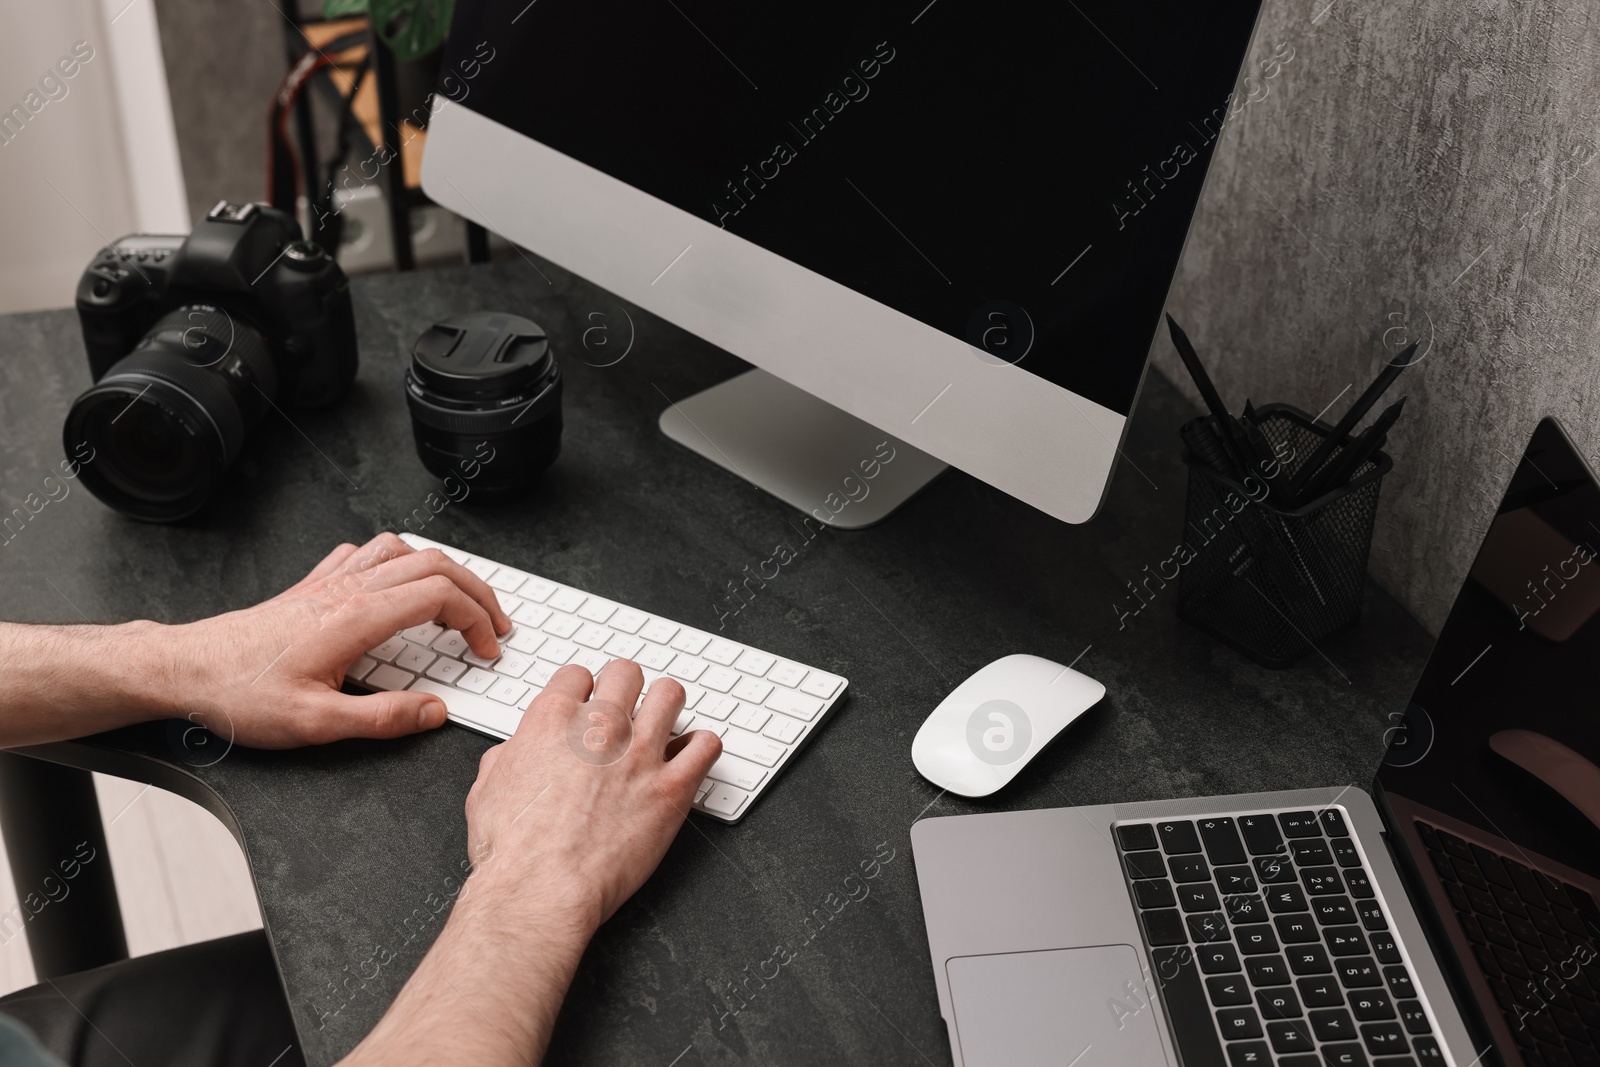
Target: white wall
{"type": "Point", "coordinates": [83, 159]}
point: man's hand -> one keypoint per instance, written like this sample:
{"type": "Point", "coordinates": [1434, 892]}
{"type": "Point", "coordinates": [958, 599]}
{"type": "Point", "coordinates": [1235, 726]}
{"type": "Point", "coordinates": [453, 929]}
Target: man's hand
{"type": "Point", "coordinates": [268, 676]}
{"type": "Point", "coordinates": [566, 820]}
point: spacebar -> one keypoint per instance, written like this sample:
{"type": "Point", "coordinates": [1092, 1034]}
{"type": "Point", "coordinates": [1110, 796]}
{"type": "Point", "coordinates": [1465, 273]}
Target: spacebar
{"type": "Point", "coordinates": [480, 713]}
{"type": "Point", "coordinates": [1188, 1012]}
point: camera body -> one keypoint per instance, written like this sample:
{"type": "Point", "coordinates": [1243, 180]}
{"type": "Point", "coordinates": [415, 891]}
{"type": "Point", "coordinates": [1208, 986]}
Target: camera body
{"type": "Point", "coordinates": [247, 261]}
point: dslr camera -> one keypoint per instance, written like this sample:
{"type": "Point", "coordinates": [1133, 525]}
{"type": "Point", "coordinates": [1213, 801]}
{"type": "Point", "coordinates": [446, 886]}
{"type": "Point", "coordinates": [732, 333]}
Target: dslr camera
{"type": "Point", "coordinates": [191, 340]}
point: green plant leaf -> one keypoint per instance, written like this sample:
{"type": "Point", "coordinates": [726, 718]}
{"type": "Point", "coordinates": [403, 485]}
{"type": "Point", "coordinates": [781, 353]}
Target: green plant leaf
{"type": "Point", "coordinates": [411, 28]}
{"type": "Point", "coordinates": [339, 9]}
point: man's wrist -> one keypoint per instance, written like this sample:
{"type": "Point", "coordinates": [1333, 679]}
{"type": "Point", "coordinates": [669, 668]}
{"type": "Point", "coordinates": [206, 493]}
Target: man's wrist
{"type": "Point", "coordinates": [502, 895]}
{"type": "Point", "coordinates": [150, 667]}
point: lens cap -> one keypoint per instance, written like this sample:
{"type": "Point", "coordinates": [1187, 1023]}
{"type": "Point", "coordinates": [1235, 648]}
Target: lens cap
{"type": "Point", "coordinates": [480, 355]}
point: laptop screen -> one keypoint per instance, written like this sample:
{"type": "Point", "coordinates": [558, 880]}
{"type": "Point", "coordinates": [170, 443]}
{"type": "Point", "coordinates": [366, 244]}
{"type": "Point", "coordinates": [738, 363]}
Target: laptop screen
{"type": "Point", "coordinates": [1492, 783]}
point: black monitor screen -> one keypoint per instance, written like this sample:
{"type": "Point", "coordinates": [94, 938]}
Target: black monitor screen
{"type": "Point", "coordinates": [1493, 783]}
{"type": "Point", "coordinates": [1021, 176]}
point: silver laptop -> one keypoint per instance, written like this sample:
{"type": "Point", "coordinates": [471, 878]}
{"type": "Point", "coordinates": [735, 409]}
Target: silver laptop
{"type": "Point", "coordinates": [1446, 917]}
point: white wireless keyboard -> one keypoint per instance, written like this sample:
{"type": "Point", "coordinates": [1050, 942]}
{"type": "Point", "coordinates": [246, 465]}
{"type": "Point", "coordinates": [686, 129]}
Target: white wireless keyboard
{"type": "Point", "coordinates": [764, 708]}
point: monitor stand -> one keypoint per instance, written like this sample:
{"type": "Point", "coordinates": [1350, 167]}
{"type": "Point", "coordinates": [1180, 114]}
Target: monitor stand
{"type": "Point", "coordinates": [841, 471]}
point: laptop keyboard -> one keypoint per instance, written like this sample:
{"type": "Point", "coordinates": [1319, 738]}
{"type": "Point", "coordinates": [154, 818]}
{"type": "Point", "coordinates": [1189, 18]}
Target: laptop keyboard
{"type": "Point", "coordinates": [1534, 938]}
{"type": "Point", "coordinates": [1269, 946]}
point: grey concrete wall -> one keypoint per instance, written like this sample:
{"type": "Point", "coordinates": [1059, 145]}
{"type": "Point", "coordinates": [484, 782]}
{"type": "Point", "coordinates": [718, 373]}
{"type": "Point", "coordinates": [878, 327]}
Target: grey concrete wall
{"type": "Point", "coordinates": [1426, 170]}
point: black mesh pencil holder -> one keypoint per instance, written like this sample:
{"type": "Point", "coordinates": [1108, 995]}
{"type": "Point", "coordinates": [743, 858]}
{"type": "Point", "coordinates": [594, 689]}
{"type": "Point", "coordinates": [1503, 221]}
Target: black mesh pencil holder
{"type": "Point", "coordinates": [1268, 582]}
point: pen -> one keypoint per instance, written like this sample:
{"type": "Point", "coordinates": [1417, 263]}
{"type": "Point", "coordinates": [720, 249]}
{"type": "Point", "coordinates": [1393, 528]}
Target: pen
{"type": "Point", "coordinates": [1350, 459]}
{"type": "Point", "coordinates": [1358, 410]}
{"type": "Point", "coordinates": [1226, 428]}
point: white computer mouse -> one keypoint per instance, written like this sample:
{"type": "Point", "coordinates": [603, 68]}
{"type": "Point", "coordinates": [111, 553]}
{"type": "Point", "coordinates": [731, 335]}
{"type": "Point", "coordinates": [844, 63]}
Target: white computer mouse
{"type": "Point", "coordinates": [994, 723]}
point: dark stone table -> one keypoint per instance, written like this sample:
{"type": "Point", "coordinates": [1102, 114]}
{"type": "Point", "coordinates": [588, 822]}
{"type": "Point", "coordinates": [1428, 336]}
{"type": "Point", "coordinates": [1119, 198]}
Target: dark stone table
{"type": "Point", "coordinates": [356, 848]}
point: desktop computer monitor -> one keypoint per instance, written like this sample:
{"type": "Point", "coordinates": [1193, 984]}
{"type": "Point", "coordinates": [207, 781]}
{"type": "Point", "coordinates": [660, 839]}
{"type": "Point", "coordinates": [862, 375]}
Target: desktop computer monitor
{"type": "Point", "coordinates": [949, 224]}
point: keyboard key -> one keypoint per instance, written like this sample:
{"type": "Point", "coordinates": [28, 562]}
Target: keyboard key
{"type": "Point", "coordinates": [820, 685]}
{"type": "Point", "coordinates": [786, 674]}
{"type": "Point", "coordinates": [386, 652]}
{"type": "Point", "coordinates": [1321, 880]}
{"type": "Point", "coordinates": [709, 725]}
{"type": "Point", "coordinates": [415, 659]}
{"type": "Point", "coordinates": [725, 799]}
{"type": "Point", "coordinates": [1333, 823]}
{"type": "Point", "coordinates": [1344, 852]}
{"type": "Point", "coordinates": [423, 635]}
{"type": "Point", "coordinates": [512, 665]}
{"type": "Point", "coordinates": [567, 600]}
{"type": "Point", "coordinates": [507, 580]}
{"type": "Point", "coordinates": [360, 668]}
{"type": "Point", "coordinates": [1242, 909]}
{"type": "Point", "coordinates": [1273, 869]}
{"type": "Point", "coordinates": [691, 641]}
{"type": "Point", "coordinates": [1208, 927]}
{"type": "Point", "coordinates": [386, 677]}
{"type": "Point", "coordinates": [589, 659]}
{"type": "Point", "coordinates": [719, 679]}
{"type": "Point", "coordinates": [1332, 1024]}
{"type": "Point", "coordinates": [1163, 926]}
{"type": "Point", "coordinates": [658, 631]}
{"type": "Point", "coordinates": [1299, 824]}
{"type": "Point", "coordinates": [1371, 1005]}
{"type": "Point", "coordinates": [1249, 1054]}
{"type": "Point", "coordinates": [1178, 837]}
{"type": "Point", "coordinates": [1238, 1023]}
{"type": "Point", "coordinates": [1309, 959]}
{"type": "Point", "coordinates": [1278, 1003]}
{"type": "Point", "coordinates": [1222, 842]}
{"type": "Point", "coordinates": [507, 691]}
{"type": "Point", "coordinates": [1345, 940]}
{"type": "Point", "coordinates": [1333, 911]}
{"type": "Point", "coordinates": [1360, 885]}
{"type": "Point", "coordinates": [751, 746]}
{"type": "Point", "coordinates": [796, 704]}
{"type": "Point", "coordinates": [1295, 929]}
{"type": "Point", "coordinates": [1358, 973]}
{"type": "Point", "coordinates": [532, 615]}
{"type": "Point", "coordinates": [1153, 893]}
{"type": "Point", "coordinates": [1266, 971]}
{"type": "Point", "coordinates": [1344, 1055]}
{"type": "Point", "coordinates": [751, 718]}
{"type": "Point", "coordinates": [1218, 959]}
{"type": "Point", "coordinates": [681, 723]}
{"type": "Point", "coordinates": [446, 670]}
{"type": "Point", "coordinates": [592, 635]}
{"type": "Point", "coordinates": [1399, 980]}
{"type": "Point", "coordinates": [1415, 1018]}
{"type": "Point", "coordinates": [562, 626]}
{"type": "Point", "coordinates": [689, 669]}
{"type": "Point", "coordinates": [783, 729]}
{"type": "Point", "coordinates": [1310, 853]}
{"type": "Point", "coordinates": [1189, 869]}
{"type": "Point", "coordinates": [753, 690]}
{"type": "Point", "coordinates": [475, 660]}
{"type": "Point", "coordinates": [1256, 940]}
{"type": "Point", "coordinates": [731, 769]}
{"type": "Point", "coordinates": [478, 711]}
{"type": "Point", "coordinates": [1228, 990]}
{"type": "Point", "coordinates": [1135, 837]}
{"type": "Point", "coordinates": [628, 621]}
{"type": "Point", "coordinates": [525, 640]}
{"type": "Point", "coordinates": [756, 664]}
{"type": "Point", "coordinates": [1260, 834]}
{"type": "Point", "coordinates": [1200, 897]}
{"type": "Point", "coordinates": [1187, 1011]}
{"type": "Point", "coordinates": [537, 590]}
{"type": "Point", "coordinates": [1235, 879]}
{"type": "Point", "coordinates": [476, 680]}
{"type": "Point", "coordinates": [597, 610]}
{"type": "Point", "coordinates": [692, 695]}
{"type": "Point", "coordinates": [1427, 1051]}
{"type": "Point", "coordinates": [722, 652]}
{"type": "Point", "coordinates": [553, 651]}
{"type": "Point", "coordinates": [1289, 1037]}
{"type": "Point", "coordinates": [655, 658]}
{"type": "Point", "coordinates": [720, 708]}
{"type": "Point", "coordinates": [481, 567]}
{"type": "Point", "coordinates": [1286, 898]}
{"type": "Point", "coordinates": [1320, 992]}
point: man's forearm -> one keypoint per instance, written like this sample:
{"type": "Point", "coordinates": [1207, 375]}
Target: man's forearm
{"type": "Point", "coordinates": [68, 681]}
{"type": "Point", "coordinates": [490, 988]}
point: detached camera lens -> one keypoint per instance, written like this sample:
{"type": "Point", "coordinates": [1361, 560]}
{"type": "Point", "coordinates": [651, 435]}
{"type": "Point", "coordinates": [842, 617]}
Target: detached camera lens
{"type": "Point", "coordinates": [485, 379]}
{"type": "Point", "coordinates": [167, 420]}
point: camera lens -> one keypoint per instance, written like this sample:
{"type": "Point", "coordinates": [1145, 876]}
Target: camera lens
{"type": "Point", "coordinates": [169, 418]}
{"type": "Point", "coordinates": [485, 379]}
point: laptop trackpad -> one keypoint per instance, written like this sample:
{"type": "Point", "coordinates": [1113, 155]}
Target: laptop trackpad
{"type": "Point", "coordinates": [1084, 1007]}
